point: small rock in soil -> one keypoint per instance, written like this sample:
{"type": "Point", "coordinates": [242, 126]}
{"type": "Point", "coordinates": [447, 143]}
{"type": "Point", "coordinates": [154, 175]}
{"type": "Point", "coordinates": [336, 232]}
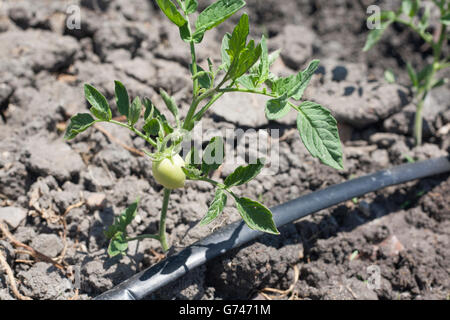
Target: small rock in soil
{"type": "Point", "coordinates": [96, 200]}
{"type": "Point", "coordinates": [55, 158]}
{"type": "Point", "coordinates": [49, 244]}
{"type": "Point", "coordinates": [296, 51]}
{"type": "Point", "coordinates": [44, 282]}
{"type": "Point", "coordinates": [352, 98]}
{"type": "Point", "coordinates": [13, 216]}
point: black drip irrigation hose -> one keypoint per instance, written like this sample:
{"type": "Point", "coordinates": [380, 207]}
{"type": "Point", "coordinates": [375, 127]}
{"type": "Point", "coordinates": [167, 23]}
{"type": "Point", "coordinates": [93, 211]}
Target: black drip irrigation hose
{"type": "Point", "coordinates": [236, 234]}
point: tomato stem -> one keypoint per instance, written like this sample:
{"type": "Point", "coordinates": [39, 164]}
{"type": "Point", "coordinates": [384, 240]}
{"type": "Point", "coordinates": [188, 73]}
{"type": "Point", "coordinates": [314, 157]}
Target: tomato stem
{"type": "Point", "coordinates": [162, 221]}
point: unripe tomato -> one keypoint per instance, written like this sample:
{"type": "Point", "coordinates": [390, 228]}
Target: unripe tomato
{"type": "Point", "coordinates": [168, 172]}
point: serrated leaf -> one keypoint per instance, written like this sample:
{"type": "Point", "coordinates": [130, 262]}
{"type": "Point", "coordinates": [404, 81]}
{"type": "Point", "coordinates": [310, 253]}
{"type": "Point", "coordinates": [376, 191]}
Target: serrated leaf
{"type": "Point", "coordinates": [171, 11]}
{"type": "Point", "coordinates": [297, 92]}
{"type": "Point", "coordinates": [213, 155]}
{"type": "Point", "coordinates": [170, 102]}
{"type": "Point", "coordinates": [319, 133]}
{"type": "Point", "coordinates": [128, 215]}
{"type": "Point", "coordinates": [256, 215]}
{"type": "Point", "coordinates": [244, 174]}
{"type": "Point", "coordinates": [122, 98]}
{"type": "Point", "coordinates": [247, 58]}
{"type": "Point", "coordinates": [152, 127]}
{"type": "Point", "coordinates": [216, 207]}
{"type": "Point", "coordinates": [294, 86]}
{"type": "Point", "coordinates": [117, 245]}
{"type": "Point", "coordinates": [375, 35]}
{"type": "Point", "coordinates": [238, 38]}
{"type": "Point", "coordinates": [191, 6]}
{"type": "Point", "coordinates": [226, 61]}
{"type": "Point", "coordinates": [215, 14]}
{"type": "Point", "coordinates": [78, 123]}
{"type": "Point", "coordinates": [100, 107]}
{"type": "Point", "coordinates": [135, 111]}
{"type": "Point", "coordinates": [149, 108]}
{"type": "Point", "coordinates": [248, 81]}
{"type": "Point", "coordinates": [264, 62]}
{"type": "Point", "coordinates": [277, 108]}
{"type": "Point", "coordinates": [122, 221]}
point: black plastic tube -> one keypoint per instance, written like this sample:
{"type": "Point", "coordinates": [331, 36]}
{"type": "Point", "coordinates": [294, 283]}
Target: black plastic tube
{"type": "Point", "coordinates": [237, 234]}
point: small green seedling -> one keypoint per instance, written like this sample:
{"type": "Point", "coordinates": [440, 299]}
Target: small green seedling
{"type": "Point", "coordinates": [244, 68]}
{"type": "Point", "coordinates": [424, 80]}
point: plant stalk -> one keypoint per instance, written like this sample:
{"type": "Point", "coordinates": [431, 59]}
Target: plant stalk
{"type": "Point", "coordinates": [418, 123]}
{"type": "Point", "coordinates": [162, 221]}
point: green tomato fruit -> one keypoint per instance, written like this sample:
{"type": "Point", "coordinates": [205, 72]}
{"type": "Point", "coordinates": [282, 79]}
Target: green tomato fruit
{"type": "Point", "coordinates": [168, 172]}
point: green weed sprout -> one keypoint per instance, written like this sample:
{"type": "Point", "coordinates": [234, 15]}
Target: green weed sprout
{"type": "Point", "coordinates": [426, 79]}
{"type": "Point", "coordinates": [244, 68]}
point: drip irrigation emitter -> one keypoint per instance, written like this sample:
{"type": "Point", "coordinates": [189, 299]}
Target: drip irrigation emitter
{"type": "Point", "coordinates": [236, 234]}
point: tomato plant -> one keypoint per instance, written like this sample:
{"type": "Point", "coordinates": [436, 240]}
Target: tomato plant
{"type": "Point", "coordinates": [410, 15]}
{"type": "Point", "coordinates": [245, 68]}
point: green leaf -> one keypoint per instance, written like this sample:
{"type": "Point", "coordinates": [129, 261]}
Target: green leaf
{"type": "Point", "coordinates": [248, 81]}
{"type": "Point", "coordinates": [247, 58]}
{"type": "Point", "coordinates": [151, 111]}
{"type": "Point", "coordinates": [256, 215]}
{"type": "Point", "coordinates": [204, 80]}
{"type": "Point", "coordinates": [100, 107]}
{"type": "Point", "coordinates": [215, 14]}
{"type": "Point", "coordinates": [294, 86]}
{"type": "Point", "coordinates": [213, 155]}
{"type": "Point", "coordinates": [171, 11]}
{"type": "Point", "coordinates": [191, 6]}
{"type": "Point", "coordinates": [122, 221]}
{"type": "Point", "coordinates": [445, 19]}
{"type": "Point", "coordinates": [319, 133]}
{"type": "Point", "coordinates": [117, 245]}
{"type": "Point", "coordinates": [78, 123]}
{"type": "Point", "coordinates": [226, 61]}
{"type": "Point", "coordinates": [238, 38]}
{"type": "Point", "coordinates": [389, 76]}
{"type": "Point", "coordinates": [216, 207]}
{"type": "Point", "coordinates": [153, 127]}
{"type": "Point", "coordinates": [277, 108]}
{"type": "Point", "coordinates": [149, 108]}
{"type": "Point", "coordinates": [410, 7]}
{"type": "Point", "coordinates": [375, 35]}
{"type": "Point", "coordinates": [122, 98]}
{"type": "Point", "coordinates": [412, 75]}
{"type": "Point", "coordinates": [425, 20]}
{"type": "Point", "coordinates": [170, 103]}
{"type": "Point", "coordinates": [185, 33]}
{"type": "Point", "coordinates": [297, 92]}
{"type": "Point", "coordinates": [263, 69]}
{"type": "Point", "coordinates": [244, 174]}
{"type": "Point", "coordinates": [135, 111]}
